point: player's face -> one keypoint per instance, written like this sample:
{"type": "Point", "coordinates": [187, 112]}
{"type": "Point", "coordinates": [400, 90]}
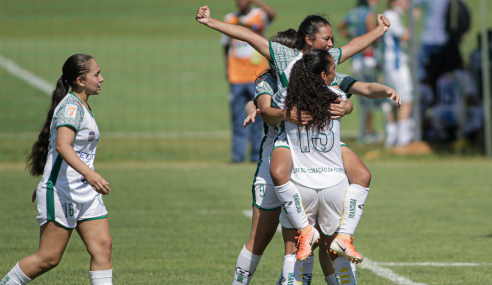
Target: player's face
{"type": "Point", "coordinates": [402, 4]}
{"type": "Point", "coordinates": [93, 79]}
{"type": "Point", "coordinates": [324, 38]}
{"type": "Point", "coordinates": [329, 76]}
{"type": "Point", "coordinates": [242, 5]}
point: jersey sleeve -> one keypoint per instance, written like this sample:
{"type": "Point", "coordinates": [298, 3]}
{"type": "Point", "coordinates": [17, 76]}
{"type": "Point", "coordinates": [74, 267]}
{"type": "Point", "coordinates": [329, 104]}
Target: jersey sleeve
{"type": "Point", "coordinates": [266, 85]}
{"type": "Point", "coordinates": [70, 115]}
{"type": "Point", "coordinates": [282, 56]}
{"type": "Point", "coordinates": [337, 54]}
{"type": "Point", "coordinates": [344, 81]}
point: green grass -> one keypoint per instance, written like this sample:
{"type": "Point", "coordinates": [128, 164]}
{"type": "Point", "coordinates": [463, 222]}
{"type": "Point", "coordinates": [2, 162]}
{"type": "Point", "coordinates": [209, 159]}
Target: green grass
{"type": "Point", "coordinates": [181, 223]}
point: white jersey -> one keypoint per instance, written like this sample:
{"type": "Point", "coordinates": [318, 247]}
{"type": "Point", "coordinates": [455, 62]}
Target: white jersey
{"type": "Point", "coordinates": [58, 175]}
{"type": "Point", "coordinates": [317, 156]}
{"type": "Point", "coordinates": [394, 54]}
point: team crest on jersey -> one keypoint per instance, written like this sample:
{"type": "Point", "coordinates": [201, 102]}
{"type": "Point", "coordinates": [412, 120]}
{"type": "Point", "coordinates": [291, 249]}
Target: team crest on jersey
{"type": "Point", "coordinates": [71, 111]}
{"type": "Point", "coordinates": [92, 135]}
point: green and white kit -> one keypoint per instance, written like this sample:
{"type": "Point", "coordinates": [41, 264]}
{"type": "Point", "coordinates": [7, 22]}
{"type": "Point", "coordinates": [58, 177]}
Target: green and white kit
{"type": "Point", "coordinates": [64, 195]}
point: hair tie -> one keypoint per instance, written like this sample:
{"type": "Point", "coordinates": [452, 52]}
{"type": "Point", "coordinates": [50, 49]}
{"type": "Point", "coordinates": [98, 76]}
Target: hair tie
{"type": "Point", "coordinates": [61, 77]}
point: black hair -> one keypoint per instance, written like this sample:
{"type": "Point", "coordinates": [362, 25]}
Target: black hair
{"type": "Point", "coordinates": [362, 3]}
{"type": "Point", "coordinates": [76, 66]}
{"type": "Point", "coordinates": [307, 90]}
{"type": "Point", "coordinates": [309, 26]}
{"type": "Point", "coordinates": [287, 38]}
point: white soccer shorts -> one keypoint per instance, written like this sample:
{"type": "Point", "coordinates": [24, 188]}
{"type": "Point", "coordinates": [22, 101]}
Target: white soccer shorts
{"type": "Point", "coordinates": [54, 206]}
{"type": "Point", "coordinates": [265, 198]}
{"type": "Point", "coordinates": [324, 206]}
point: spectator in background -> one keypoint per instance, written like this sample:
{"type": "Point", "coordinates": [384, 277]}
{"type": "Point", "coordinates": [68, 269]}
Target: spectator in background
{"type": "Point", "coordinates": [476, 62]}
{"type": "Point", "coordinates": [243, 64]}
{"type": "Point", "coordinates": [397, 75]}
{"type": "Point", "coordinates": [358, 21]}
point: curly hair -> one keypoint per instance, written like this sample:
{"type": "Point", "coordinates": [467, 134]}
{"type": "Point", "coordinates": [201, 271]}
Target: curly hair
{"type": "Point", "coordinates": [307, 91]}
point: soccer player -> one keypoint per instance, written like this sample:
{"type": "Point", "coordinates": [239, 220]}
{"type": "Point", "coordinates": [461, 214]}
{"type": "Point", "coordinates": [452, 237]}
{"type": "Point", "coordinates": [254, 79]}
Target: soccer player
{"type": "Point", "coordinates": [316, 33]}
{"type": "Point", "coordinates": [397, 75]}
{"type": "Point", "coordinates": [243, 64]}
{"type": "Point", "coordinates": [69, 195]}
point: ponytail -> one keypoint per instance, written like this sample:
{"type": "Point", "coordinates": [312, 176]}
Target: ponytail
{"type": "Point", "coordinates": [307, 91]}
{"type": "Point", "coordinates": [76, 66]}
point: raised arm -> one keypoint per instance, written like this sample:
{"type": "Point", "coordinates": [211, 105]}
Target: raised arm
{"type": "Point", "coordinates": [270, 12]}
{"type": "Point", "coordinates": [358, 44]}
{"type": "Point", "coordinates": [234, 31]}
{"type": "Point", "coordinates": [375, 91]}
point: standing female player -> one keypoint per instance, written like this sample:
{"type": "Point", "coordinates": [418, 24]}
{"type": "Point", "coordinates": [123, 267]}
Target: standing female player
{"type": "Point", "coordinates": [69, 194]}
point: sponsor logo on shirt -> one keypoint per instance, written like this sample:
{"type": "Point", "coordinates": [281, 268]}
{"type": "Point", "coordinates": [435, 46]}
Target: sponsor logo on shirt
{"type": "Point", "coordinates": [92, 135]}
{"type": "Point", "coordinates": [71, 111]}
{"type": "Point", "coordinates": [85, 155]}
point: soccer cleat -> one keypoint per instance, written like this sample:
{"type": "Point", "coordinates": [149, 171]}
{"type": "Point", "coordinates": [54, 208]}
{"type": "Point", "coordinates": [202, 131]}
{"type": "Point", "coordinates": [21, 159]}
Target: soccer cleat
{"type": "Point", "coordinates": [345, 248]}
{"type": "Point", "coordinates": [305, 244]}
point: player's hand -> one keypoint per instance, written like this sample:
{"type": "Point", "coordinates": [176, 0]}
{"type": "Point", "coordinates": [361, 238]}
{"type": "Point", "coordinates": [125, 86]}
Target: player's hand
{"type": "Point", "coordinates": [305, 117]}
{"type": "Point", "coordinates": [251, 117]}
{"type": "Point", "coordinates": [383, 22]}
{"type": "Point", "coordinates": [203, 15]}
{"type": "Point", "coordinates": [33, 197]}
{"type": "Point", "coordinates": [98, 183]}
{"type": "Point", "coordinates": [394, 96]}
{"type": "Point", "coordinates": [338, 109]}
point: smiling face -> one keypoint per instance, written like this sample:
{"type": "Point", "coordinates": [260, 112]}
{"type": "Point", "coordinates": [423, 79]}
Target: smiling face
{"type": "Point", "coordinates": [323, 39]}
{"type": "Point", "coordinates": [93, 79]}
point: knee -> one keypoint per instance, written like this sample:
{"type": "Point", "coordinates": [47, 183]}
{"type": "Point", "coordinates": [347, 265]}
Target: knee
{"type": "Point", "coordinates": [363, 177]}
{"type": "Point", "coordinates": [103, 248]}
{"type": "Point", "coordinates": [279, 176]}
{"type": "Point", "coordinates": [49, 262]}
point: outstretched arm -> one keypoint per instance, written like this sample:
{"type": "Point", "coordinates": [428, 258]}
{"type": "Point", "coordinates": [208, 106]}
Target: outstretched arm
{"type": "Point", "coordinates": [251, 113]}
{"type": "Point", "coordinates": [234, 31]}
{"type": "Point", "coordinates": [375, 91]}
{"type": "Point", "coordinates": [358, 44]}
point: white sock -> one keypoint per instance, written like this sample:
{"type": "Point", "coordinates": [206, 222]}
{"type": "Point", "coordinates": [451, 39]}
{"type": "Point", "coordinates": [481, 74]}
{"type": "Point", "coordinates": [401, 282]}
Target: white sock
{"type": "Point", "coordinates": [292, 204]}
{"type": "Point", "coordinates": [345, 271]}
{"type": "Point", "coordinates": [291, 271]}
{"type": "Point", "coordinates": [245, 266]}
{"type": "Point", "coordinates": [331, 279]}
{"type": "Point", "coordinates": [307, 270]}
{"type": "Point", "coordinates": [15, 277]}
{"type": "Point", "coordinates": [353, 205]}
{"type": "Point", "coordinates": [405, 133]}
{"type": "Point", "coordinates": [101, 277]}
{"type": "Point", "coordinates": [391, 131]}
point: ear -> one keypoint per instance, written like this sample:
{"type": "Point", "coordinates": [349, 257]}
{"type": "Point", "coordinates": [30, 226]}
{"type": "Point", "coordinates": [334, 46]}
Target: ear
{"type": "Point", "coordinates": [323, 75]}
{"type": "Point", "coordinates": [80, 81]}
{"type": "Point", "coordinates": [309, 40]}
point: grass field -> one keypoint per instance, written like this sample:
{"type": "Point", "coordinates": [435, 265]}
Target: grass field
{"type": "Point", "coordinates": [176, 210]}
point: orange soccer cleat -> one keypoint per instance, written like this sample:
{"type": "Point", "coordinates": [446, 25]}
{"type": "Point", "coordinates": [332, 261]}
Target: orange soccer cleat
{"type": "Point", "coordinates": [305, 243]}
{"type": "Point", "coordinates": [345, 248]}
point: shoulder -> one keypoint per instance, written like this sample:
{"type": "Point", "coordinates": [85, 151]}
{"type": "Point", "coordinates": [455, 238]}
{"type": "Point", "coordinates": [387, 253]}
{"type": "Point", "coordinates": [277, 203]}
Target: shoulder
{"type": "Point", "coordinates": [267, 84]}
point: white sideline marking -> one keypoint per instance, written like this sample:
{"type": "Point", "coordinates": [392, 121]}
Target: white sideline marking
{"type": "Point", "coordinates": [27, 76]}
{"type": "Point", "coordinates": [368, 264]}
{"type": "Point", "coordinates": [440, 264]}
{"type": "Point", "coordinates": [386, 273]}
{"type": "Point", "coordinates": [249, 214]}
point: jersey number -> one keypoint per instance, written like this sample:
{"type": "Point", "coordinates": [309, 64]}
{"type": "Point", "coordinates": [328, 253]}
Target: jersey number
{"type": "Point", "coordinates": [68, 209]}
{"type": "Point", "coordinates": [322, 142]}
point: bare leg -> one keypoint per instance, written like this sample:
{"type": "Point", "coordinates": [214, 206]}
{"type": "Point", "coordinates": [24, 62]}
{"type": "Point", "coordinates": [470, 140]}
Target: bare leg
{"type": "Point", "coordinates": [405, 111]}
{"type": "Point", "coordinates": [280, 166]}
{"type": "Point", "coordinates": [263, 228]}
{"type": "Point", "coordinates": [52, 243]}
{"type": "Point", "coordinates": [97, 238]}
{"type": "Point", "coordinates": [325, 257]}
{"type": "Point", "coordinates": [355, 169]}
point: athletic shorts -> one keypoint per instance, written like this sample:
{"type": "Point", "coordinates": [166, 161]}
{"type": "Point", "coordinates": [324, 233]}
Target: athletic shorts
{"type": "Point", "coordinates": [60, 208]}
{"type": "Point", "coordinates": [324, 206]}
{"type": "Point", "coordinates": [400, 80]}
{"type": "Point", "coordinates": [265, 198]}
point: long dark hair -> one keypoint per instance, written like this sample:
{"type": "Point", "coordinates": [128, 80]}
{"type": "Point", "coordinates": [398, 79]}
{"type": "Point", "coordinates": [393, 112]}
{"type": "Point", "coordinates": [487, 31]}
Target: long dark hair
{"type": "Point", "coordinates": [287, 38]}
{"type": "Point", "coordinates": [307, 91]}
{"type": "Point", "coordinates": [309, 26]}
{"type": "Point", "coordinates": [76, 66]}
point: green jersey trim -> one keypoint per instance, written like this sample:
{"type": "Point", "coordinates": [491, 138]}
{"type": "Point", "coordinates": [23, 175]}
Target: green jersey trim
{"type": "Point", "coordinates": [340, 57]}
{"type": "Point", "coordinates": [93, 219]}
{"type": "Point", "coordinates": [287, 147]}
{"type": "Point", "coordinates": [67, 125]}
{"type": "Point", "coordinates": [342, 145]}
{"type": "Point", "coordinates": [88, 109]}
{"type": "Point", "coordinates": [265, 209]}
{"type": "Point", "coordinates": [50, 191]}
{"type": "Point", "coordinates": [265, 126]}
